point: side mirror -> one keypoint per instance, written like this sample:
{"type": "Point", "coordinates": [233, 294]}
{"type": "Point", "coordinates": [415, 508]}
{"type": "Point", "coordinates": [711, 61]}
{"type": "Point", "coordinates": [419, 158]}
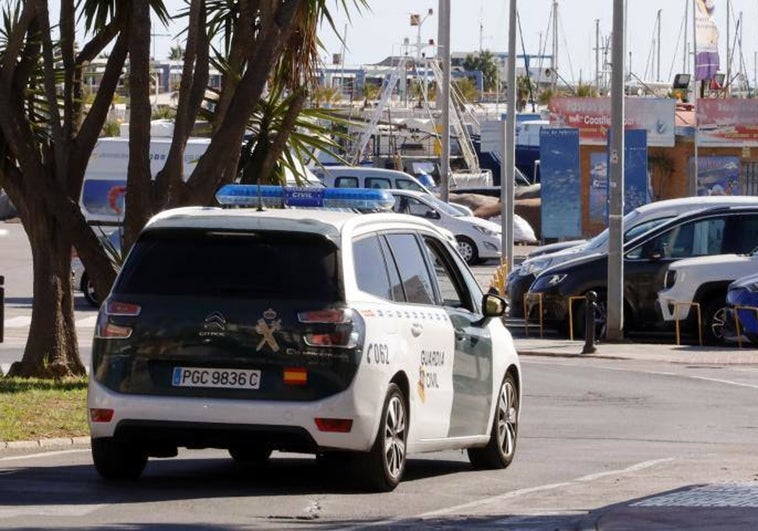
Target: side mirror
{"type": "Point", "coordinates": [655, 252]}
{"type": "Point", "coordinates": [493, 305]}
{"type": "Point", "coordinates": [432, 214]}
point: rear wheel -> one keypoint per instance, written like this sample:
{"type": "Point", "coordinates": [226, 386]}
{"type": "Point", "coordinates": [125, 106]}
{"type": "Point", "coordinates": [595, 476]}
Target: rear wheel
{"type": "Point", "coordinates": [382, 467]}
{"type": "Point", "coordinates": [501, 447]}
{"type": "Point", "coordinates": [89, 291]}
{"type": "Point", "coordinates": [117, 461]}
{"type": "Point", "coordinates": [467, 249]}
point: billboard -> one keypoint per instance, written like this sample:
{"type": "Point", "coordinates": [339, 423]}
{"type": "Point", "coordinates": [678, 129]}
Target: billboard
{"type": "Point", "coordinates": [727, 122]}
{"type": "Point", "coordinates": [592, 116]}
{"type": "Point", "coordinates": [717, 175]}
{"type": "Point", "coordinates": [561, 210]}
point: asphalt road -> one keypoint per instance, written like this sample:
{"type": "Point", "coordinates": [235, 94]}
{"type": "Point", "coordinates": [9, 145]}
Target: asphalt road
{"type": "Point", "coordinates": [620, 445]}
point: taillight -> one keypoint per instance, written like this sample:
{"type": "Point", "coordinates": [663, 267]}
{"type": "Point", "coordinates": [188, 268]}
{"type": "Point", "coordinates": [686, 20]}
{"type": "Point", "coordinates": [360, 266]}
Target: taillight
{"type": "Point", "coordinates": [122, 308]}
{"type": "Point", "coordinates": [331, 327]}
{"type": "Point", "coordinates": [100, 415]}
{"type": "Point", "coordinates": [105, 329]}
{"type": "Point", "coordinates": [334, 425]}
{"type": "Point", "coordinates": [331, 315]}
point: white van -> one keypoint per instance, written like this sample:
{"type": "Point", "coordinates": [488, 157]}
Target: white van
{"type": "Point", "coordinates": [104, 186]}
{"type": "Point", "coordinates": [363, 177]}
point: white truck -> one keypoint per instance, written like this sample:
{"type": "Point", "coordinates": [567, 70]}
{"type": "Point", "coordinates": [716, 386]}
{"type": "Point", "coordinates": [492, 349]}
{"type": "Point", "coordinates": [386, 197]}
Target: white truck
{"type": "Point", "coordinates": [703, 280]}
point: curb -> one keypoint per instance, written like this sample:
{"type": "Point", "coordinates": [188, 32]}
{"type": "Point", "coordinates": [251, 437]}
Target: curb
{"type": "Point", "coordinates": [56, 442]}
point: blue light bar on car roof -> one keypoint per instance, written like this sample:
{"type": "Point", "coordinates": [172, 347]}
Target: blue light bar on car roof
{"type": "Point", "coordinates": [252, 195]}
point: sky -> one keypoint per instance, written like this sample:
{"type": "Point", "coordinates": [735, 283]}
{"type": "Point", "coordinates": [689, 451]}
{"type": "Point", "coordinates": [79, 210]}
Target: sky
{"type": "Point", "coordinates": [375, 34]}
{"type": "Point", "coordinates": [379, 32]}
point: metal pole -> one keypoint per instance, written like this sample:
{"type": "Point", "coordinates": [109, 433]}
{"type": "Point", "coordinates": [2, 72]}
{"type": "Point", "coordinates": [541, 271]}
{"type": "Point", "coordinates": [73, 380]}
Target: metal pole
{"type": "Point", "coordinates": [555, 46]}
{"type": "Point", "coordinates": [597, 55]}
{"type": "Point", "coordinates": [729, 51]}
{"type": "Point", "coordinates": [445, 93]}
{"type": "Point", "coordinates": [658, 68]}
{"type": "Point", "coordinates": [2, 308]}
{"type": "Point", "coordinates": [507, 186]}
{"type": "Point", "coordinates": [615, 315]}
{"type": "Point", "coordinates": [686, 47]}
{"type": "Point", "coordinates": [692, 183]}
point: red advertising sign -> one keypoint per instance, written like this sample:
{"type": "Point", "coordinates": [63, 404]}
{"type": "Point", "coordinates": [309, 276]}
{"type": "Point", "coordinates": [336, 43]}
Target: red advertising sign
{"type": "Point", "coordinates": [592, 116]}
{"type": "Point", "coordinates": [727, 122]}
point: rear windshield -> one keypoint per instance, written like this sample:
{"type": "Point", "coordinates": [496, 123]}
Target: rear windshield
{"type": "Point", "coordinates": [231, 265]}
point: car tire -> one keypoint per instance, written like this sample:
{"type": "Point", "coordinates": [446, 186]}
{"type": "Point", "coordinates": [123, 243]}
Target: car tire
{"type": "Point", "coordinates": [381, 468]}
{"type": "Point", "coordinates": [501, 447]}
{"type": "Point", "coordinates": [89, 291]}
{"type": "Point", "coordinates": [715, 315]}
{"type": "Point", "coordinates": [117, 461]}
{"type": "Point", "coordinates": [250, 455]}
{"type": "Point", "coordinates": [467, 249]}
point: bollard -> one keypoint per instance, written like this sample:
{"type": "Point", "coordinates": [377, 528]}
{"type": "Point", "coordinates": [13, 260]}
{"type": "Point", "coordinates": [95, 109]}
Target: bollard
{"type": "Point", "coordinates": [2, 307]}
{"type": "Point", "coordinates": [589, 323]}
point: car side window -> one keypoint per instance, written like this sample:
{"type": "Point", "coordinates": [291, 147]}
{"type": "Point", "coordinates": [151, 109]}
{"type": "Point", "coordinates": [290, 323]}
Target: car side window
{"type": "Point", "coordinates": [378, 182]}
{"type": "Point", "coordinates": [407, 184]}
{"type": "Point", "coordinates": [741, 234]}
{"type": "Point", "coordinates": [346, 182]}
{"type": "Point", "coordinates": [370, 267]}
{"type": "Point", "coordinates": [410, 205]}
{"type": "Point", "coordinates": [417, 284]}
{"type": "Point", "coordinates": [697, 238]}
{"type": "Point", "coordinates": [451, 286]}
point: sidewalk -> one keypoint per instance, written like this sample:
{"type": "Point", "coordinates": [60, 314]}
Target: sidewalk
{"type": "Point", "coordinates": [671, 353]}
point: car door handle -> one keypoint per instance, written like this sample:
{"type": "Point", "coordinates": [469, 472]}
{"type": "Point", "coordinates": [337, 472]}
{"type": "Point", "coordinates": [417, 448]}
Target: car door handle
{"type": "Point", "coordinates": [416, 329]}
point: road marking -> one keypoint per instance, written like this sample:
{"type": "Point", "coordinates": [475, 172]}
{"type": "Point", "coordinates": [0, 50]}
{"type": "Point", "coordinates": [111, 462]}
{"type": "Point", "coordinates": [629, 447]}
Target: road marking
{"type": "Point", "coordinates": [656, 373]}
{"type": "Point", "coordinates": [74, 510]}
{"type": "Point", "coordinates": [458, 509]}
{"type": "Point", "coordinates": [43, 454]}
{"type": "Point", "coordinates": [508, 495]}
{"type": "Point", "coordinates": [23, 321]}
{"type": "Point", "coordinates": [18, 322]}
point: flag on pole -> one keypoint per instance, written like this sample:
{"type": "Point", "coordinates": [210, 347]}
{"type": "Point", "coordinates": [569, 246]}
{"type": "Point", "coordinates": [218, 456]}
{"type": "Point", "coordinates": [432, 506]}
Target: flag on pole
{"type": "Point", "coordinates": [706, 40]}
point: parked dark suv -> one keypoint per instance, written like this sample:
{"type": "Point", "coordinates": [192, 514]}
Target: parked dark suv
{"type": "Point", "coordinates": [711, 231]}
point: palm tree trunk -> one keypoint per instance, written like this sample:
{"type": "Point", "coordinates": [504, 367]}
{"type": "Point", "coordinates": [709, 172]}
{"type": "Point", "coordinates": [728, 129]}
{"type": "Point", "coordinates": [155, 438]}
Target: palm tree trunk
{"type": "Point", "coordinates": [52, 348]}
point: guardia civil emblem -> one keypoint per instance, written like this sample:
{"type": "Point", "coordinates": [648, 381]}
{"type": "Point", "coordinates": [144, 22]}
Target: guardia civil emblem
{"type": "Point", "coordinates": [266, 327]}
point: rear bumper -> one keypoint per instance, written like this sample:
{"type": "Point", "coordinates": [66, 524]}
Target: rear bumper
{"type": "Point", "coordinates": [194, 422]}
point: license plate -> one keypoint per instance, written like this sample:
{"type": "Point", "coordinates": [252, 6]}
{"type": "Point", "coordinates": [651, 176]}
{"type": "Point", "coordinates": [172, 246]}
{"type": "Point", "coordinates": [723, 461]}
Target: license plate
{"type": "Point", "coordinates": [219, 378]}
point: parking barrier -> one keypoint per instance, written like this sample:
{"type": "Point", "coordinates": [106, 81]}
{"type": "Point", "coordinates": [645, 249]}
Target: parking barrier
{"type": "Point", "coordinates": [695, 305]}
{"type": "Point", "coordinates": [571, 313]}
{"type": "Point", "coordinates": [737, 320]}
{"type": "Point", "coordinates": [525, 303]}
{"type": "Point", "coordinates": [2, 307]}
{"type": "Point", "coordinates": [499, 277]}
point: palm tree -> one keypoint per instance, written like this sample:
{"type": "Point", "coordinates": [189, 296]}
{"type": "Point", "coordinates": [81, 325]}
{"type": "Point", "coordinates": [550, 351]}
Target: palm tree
{"type": "Point", "coordinates": [487, 64]}
{"type": "Point", "coordinates": [46, 140]}
{"type": "Point", "coordinates": [176, 53]}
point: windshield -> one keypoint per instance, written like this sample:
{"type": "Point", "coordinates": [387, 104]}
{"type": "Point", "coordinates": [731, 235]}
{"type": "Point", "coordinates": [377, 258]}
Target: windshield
{"type": "Point", "coordinates": [636, 230]}
{"type": "Point", "coordinates": [441, 206]}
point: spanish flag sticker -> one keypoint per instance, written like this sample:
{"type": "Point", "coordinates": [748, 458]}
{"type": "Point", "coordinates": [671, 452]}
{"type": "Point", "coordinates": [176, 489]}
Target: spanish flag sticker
{"type": "Point", "coordinates": [295, 376]}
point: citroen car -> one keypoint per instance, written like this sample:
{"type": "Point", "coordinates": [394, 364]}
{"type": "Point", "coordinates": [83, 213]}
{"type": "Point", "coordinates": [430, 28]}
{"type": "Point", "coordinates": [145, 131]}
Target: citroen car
{"type": "Point", "coordinates": [358, 337]}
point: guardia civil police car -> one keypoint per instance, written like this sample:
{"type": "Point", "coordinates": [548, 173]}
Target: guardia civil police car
{"type": "Point", "coordinates": [361, 337]}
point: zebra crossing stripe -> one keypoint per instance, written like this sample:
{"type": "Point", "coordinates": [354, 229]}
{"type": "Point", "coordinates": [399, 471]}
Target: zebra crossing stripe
{"type": "Point", "coordinates": [23, 321]}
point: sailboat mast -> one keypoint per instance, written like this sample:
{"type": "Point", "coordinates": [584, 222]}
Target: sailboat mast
{"type": "Point", "coordinates": [555, 45]}
{"type": "Point", "coordinates": [658, 67]}
{"type": "Point", "coordinates": [728, 79]}
{"type": "Point", "coordinates": [686, 47]}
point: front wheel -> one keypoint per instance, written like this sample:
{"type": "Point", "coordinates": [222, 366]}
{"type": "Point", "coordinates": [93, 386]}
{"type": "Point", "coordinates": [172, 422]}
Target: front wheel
{"type": "Point", "coordinates": [467, 249]}
{"type": "Point", "coordinates": [501, 447]}
{"type": "Point", "coordinates": [381, 468]}
{"type": "Point", "coordinates": [715, 315]}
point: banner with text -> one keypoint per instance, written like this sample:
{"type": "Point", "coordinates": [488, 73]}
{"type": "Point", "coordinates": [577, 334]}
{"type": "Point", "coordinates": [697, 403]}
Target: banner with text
{"type": "Point", "coordinates": [592, 116]}
{"type": "Point", "coordinates": [561, 210]}
{"type": "Point", "coordinates": [731, 122]}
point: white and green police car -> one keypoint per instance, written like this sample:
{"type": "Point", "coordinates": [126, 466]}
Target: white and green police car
{"type": "Point", "coordinates": [361, 337]}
